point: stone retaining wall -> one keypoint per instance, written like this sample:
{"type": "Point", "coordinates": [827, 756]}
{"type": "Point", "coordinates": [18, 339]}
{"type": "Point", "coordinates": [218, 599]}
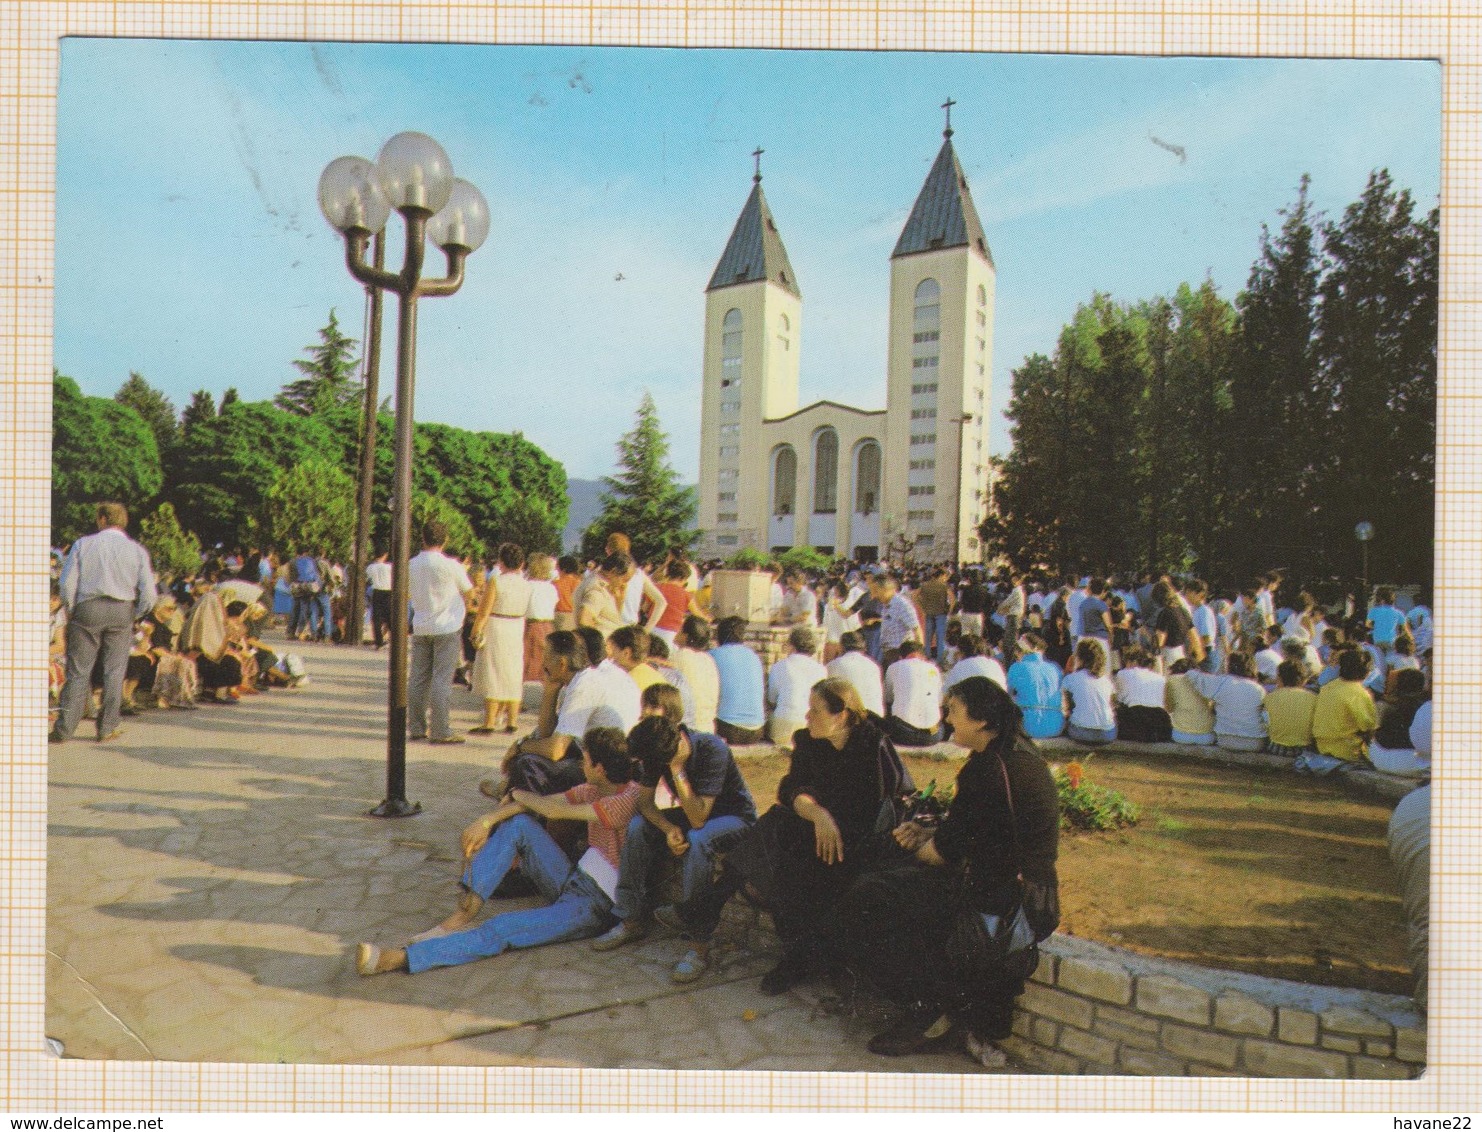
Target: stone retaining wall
{"type": "Point", "coordinates": [1096, 1009]}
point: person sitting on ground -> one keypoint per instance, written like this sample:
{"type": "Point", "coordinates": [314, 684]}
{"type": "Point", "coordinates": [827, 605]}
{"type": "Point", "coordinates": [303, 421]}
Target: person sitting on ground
{"type": "Point", "coordinates": [1141, 691]}
{"type": "Point", "coordinates": [203, 639]}
{"type": "Point", "coordinates": [692, 660]}
{"type": "Point", "coordinates": [1189, 713]}
{"type": "Point", "coordinates": [671, 677]}
{"type": "Point", "coordinates": [714, 809]}
{"type": "Point", "coordinates": [803, 852]}
{"type": "Point", "coordinates": [1303, 655]}
{"type": "Point", "coordinates": [1088, 691]}
{"type": "Point", "coordinates": [855, 666]}
{"type": "Point", "coordinates": [1034, 684]}
{"type": "Point", "coordinates": [1400, 658]}
{"type": "Point", "coordinates": [1392, 750]}
{"type": "Point", "coordinates": [577, 696]}
{"type": "Point", "coordinates": [1345, 717]}
{"type": "Point", "coordinates": [577, 898]}
{"type": "Point", "coordinates": [741, 712]}
{"type": "Point", "coordinates": [913, 698]}
{"type": "Point", "coordinates": [1409, 842]}
{"type": "Point", "coordinates": [628, 649]}
{"type": "Point", "coordinates": [788, 683]}
{"type": "Point", "coordinates": [1288, 709]}
{"type": "Point", "coordinates": [975, 662]}
{"type": "Point", "coordinates": [1269, 658]}
{"type": "Point", "coordinates": [1236, 698]}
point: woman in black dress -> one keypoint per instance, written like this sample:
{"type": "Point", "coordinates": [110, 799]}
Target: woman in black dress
{"type": "Point", "coordinates": [895, 922]}
{"type": "Point", "coordinates": [805, 850]}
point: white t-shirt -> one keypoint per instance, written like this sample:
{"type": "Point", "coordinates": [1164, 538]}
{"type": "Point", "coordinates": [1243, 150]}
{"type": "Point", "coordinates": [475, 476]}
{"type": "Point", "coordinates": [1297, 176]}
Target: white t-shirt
{"type": "Point", "coordinates": [632, 598]}
{"type": "Point", "coordinates": [1091, 700]}
{"type": "Point", "coordinates": [606, 686]}
{"type": "Point", "coordinates": [542, 604]}
{"type": "Point", "coordinates": [789, 682]}
{"type": "Point", "coordinates": [1420, 730]}
{"type": "Point", "coordinates": [436, 589]}
{"type": "Point", "coordinates": [1237, 704]}
{"type": "Point", "coordinates": [976, 666]}
{"type": "Point", "coordinates": [913, 692]}
{"type": "Point", "coordinates": [1140, 687]}
{"type": "Point", "coordinates": [862, 672]}
{"type": "Point", "coordinates": [1267, 661]}
{"type": "Point", "coordinates": [378, 574]}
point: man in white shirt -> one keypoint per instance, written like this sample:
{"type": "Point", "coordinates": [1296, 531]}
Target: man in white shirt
{"type": "Point", "coordinates": [1078, 594]}
{"type": "Point", "coordinates": [855, 666]}
{"type": "Point", "coordinates": [975, 662]}
{"type": "Point", "coordinates": [789, 684]}
{"type": "Point", "coordinates": [107, 584]}
{"type": "Point", "coordinates": [436, 585]}
{"type": "Point", "coordinates": [578, 696]}
{"type": "Point", "coordinates": [378, 574]}
{"type": "Point", "coordinates": [799, 604]}
{"type": "Point", "coordinates": [913, 694]}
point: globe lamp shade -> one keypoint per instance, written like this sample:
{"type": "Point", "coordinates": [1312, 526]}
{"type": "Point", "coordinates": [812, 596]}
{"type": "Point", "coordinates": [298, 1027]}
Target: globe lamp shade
{"type": "Point", "coordinates": [414, 172]}
{"type": "Point", "coordinates": [463, 222]}
{"type": "Point", "coordinates": [349, 196]}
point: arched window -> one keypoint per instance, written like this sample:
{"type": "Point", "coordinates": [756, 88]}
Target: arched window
{"type": "Point", "coordinates": [928, 305]}
{"type": "Point", "coordinates": [730, 350]}
{"type": "Point", "coordinates": [826, 472]}
{"type": "Point", "coordinates": [784, 480]}
{"type": "Point", "coordinates": [867, 478]}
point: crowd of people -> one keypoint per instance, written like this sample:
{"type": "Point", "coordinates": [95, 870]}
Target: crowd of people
{"type": "Point", "coordinates": [630, 772]}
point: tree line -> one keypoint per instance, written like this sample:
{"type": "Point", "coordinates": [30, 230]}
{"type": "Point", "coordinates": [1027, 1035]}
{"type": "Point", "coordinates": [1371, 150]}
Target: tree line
{"type": "Point", "coordinates": [1191, 433]}
{"type": "Point", "coordinates": [283, 472]}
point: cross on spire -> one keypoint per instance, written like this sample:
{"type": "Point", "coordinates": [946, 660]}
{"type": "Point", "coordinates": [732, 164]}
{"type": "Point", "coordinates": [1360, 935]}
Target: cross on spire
{"type": "Point", "coordinates": [757, 153]}
{"type": "Point", "coordinates": [947, 106]}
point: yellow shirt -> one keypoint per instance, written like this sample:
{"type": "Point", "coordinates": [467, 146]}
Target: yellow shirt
{"type": "Point", "coordinates": [1190, 711]}
{"type": "Point", "coordinates": [644, 675]}
{"type": "Point", "coordinates": [1289, 716]}
{"type": "Point", "coordinates": [1344, 711]}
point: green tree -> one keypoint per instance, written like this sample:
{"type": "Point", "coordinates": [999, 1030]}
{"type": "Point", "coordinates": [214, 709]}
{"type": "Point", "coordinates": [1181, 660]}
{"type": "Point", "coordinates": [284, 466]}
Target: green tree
{"type": "Point", "coordinates": [100, 451]}
{"type": "Point", "coordinates": [311, 504]}
{"type": "Point", "coordinates": [461, 539]}
{"type": "Point", "coordinates": [1272, 388]}
{"type": "Point", "coordinates": [1376, 347]}
{"type": "Point", "coordinates": [154, 409]}
{"type": "Point", "coordinates": [804, 558]}
{"type": "Point", "coordinates": [202, 408]}
{"type": "Point", "coordinates": [329, 374]}
{"type": "Point", "coordinates": [173, 550]}
{"type": "Point", "coordinates": [645, 500]}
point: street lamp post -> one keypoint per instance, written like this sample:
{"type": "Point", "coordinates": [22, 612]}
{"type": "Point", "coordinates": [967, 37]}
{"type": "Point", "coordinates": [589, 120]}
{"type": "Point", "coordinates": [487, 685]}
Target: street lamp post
{"type": "Point", "coordinates": [355, 622]}
{"type": "Point", "coordinates": [961, 422]}
{"type": "Point", "coordinates": [413, 175]}
{"type": "Point", "coordinates": [1364, 532]}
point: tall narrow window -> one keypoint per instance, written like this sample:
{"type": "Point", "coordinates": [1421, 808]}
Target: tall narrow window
{"type": "Point", "coordinates": [926, 347]}
{"type": "Point", "coordinates": [867, 478]}
{"type": "Point", "coordinates": [784, 334]}
{"type": "Point", "coordinates": [730, 349]}
{"type": "Point", "coordinates": [826, 472]}
{"type": "Point", "coordinates": [784, 480]}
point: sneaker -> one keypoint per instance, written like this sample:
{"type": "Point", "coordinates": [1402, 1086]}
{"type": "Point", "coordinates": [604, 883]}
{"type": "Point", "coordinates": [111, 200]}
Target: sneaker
{"type": "Point", "coordinates": [921, 1027]}
{"type": "Point", "coordinates": [367, 959]}
{"type": "Point", "coordinates": [691, 967]}
{"type": "Point", "coordinates": [624, 932]}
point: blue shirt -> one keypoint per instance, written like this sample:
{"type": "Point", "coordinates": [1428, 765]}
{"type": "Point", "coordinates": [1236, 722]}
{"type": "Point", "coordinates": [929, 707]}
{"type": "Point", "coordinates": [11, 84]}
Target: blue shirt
{"type": "Point", "coordinates": [1386, 620]}
{"type": "Point", "coordinates": [742, 687]}
{"type": "Point", "coordinates": [305, 569]}
{"type": "Point", "coordinates": [1034, 683]}
{"type": "Point", "coordinates": [713, 773]}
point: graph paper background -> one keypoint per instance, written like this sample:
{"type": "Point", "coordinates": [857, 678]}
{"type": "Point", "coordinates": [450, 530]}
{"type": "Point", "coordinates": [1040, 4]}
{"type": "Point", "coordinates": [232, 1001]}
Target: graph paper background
{"type": "Point", "coordinates": [31, 1080]}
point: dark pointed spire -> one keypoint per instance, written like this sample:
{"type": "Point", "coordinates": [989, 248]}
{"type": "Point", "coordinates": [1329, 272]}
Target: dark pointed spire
{"type": "Point", "coordinates": [943, 215]}
{"type": "Point", "coordinates": [755, 250]}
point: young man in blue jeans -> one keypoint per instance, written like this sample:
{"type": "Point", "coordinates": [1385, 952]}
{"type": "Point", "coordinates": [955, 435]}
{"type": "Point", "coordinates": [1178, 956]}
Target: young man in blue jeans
{"type": "Point", "coordinates": [578, 897]}
{"type": "Point", "coordinates": [715, 808]}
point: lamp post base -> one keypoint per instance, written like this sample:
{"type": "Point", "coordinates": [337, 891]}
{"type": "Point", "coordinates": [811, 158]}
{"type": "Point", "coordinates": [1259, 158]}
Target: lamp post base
{"type": "Point", "coordinates": [395, 808]}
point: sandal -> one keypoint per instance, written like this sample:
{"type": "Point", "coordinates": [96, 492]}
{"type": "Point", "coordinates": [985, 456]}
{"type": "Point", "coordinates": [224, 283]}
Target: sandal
{"type": "Point", "coordinates": [691, 967]}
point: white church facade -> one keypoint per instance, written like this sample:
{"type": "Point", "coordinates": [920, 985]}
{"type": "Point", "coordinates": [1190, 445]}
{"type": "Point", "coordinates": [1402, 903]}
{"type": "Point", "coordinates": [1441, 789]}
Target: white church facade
{"type": "Point", "coordinates": [861, 483]}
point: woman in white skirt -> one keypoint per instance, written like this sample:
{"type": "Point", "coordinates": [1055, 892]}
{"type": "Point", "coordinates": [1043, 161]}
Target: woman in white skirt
{"type": "Point", "coordinates": [499, 629]}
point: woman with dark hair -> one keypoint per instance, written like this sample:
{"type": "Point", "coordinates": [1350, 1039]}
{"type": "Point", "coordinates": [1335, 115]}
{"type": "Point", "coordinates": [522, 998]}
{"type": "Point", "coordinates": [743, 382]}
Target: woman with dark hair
{"type": "Point", "coordinates": [805, 850]}
{"type": "Point", "coordinates": [499, 632]}
{"type": "Point", "coordinates": [993, 852]}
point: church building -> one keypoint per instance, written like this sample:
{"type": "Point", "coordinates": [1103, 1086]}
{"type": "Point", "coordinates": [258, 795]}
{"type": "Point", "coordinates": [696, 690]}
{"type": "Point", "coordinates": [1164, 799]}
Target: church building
{"type": "Point", "coordinates": [911, 478]}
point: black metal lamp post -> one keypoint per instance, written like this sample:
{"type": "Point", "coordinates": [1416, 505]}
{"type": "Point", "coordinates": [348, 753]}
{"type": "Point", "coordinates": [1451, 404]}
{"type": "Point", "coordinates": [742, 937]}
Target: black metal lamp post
{"type": "Point", "coordinates": [414, 176]}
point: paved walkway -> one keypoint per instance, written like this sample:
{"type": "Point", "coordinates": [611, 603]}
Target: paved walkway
{"type": "Point", "coordinates": [210, 872]}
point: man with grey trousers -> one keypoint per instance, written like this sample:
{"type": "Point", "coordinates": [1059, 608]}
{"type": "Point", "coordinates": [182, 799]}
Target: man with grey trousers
{"type": "Point", "coordinates": [106, 585]}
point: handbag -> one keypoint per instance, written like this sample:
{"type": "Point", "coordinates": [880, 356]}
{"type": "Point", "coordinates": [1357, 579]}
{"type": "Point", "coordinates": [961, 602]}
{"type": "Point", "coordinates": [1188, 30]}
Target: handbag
{"type": "Point", "coordinates": [982, 944]}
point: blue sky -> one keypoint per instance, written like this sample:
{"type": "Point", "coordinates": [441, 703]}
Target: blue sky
{"type": "Point", "coordinates": [190, 246]}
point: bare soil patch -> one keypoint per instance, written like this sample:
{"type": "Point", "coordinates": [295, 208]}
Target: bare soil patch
{"type": "Point", "coordinates": [1244, 869]}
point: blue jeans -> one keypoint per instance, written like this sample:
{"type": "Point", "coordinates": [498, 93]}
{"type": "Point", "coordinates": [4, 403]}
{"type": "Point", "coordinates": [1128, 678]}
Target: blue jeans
{"type": "Point", "coordinates": [936, 635]}
{"type": "Point", "coordinates": [646, 846]}
{"type": "Point", "coordinates": [577, 908]}
{"type": "Point", "coordinates": [326, 616]}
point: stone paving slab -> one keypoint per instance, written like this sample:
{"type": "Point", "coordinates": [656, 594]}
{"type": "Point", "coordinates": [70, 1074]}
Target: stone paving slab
{"type": "Point", "coordinates": [210, 872]}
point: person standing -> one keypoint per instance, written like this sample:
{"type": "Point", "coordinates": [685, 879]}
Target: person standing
{"type": "Point", "coordinates": [936, 605]}
{"type": "Point", "coordinates": [436, 587]}
{"type": "Point", "coordinates": [1012, 608]}
{"type": "Point", "coordinates": [107, 584]}
{"type": "Point", "coordinates": [378, 574]}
